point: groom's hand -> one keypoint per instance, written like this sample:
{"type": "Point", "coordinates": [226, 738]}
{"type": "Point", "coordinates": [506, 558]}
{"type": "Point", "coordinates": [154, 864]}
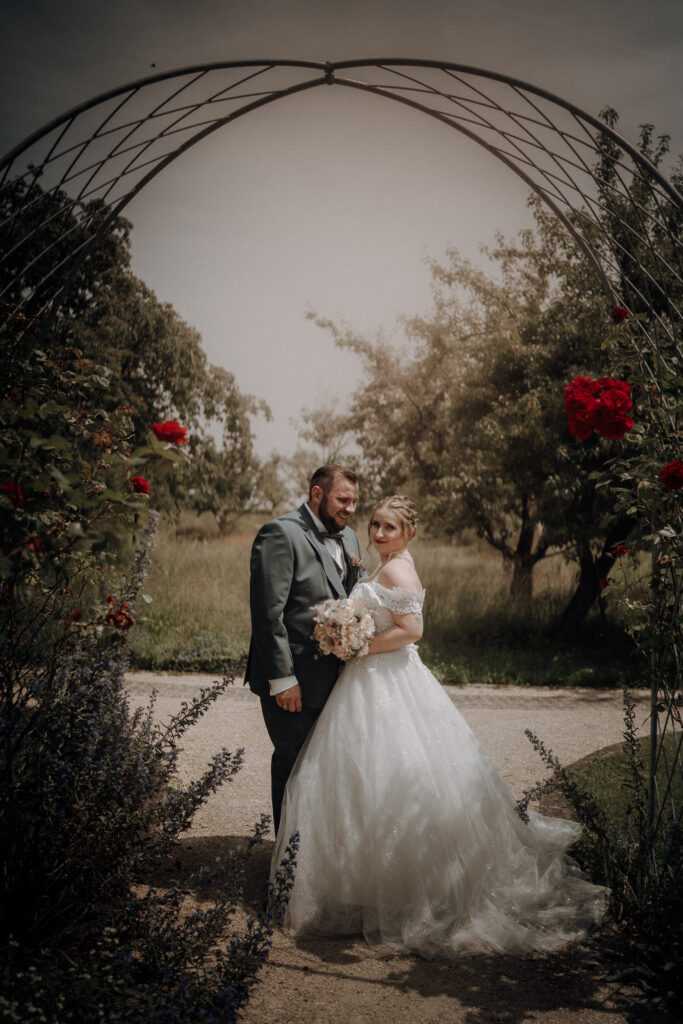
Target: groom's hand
{"type": "Point", "coordinates": [290, 700]}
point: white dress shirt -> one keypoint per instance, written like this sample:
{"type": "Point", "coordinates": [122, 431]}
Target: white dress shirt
{"type": "Point", "coordinates": [334, 546]}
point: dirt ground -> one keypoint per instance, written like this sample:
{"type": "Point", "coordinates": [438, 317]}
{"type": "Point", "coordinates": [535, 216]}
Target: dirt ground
{"type": "Point", "coordinates": [329, 981]}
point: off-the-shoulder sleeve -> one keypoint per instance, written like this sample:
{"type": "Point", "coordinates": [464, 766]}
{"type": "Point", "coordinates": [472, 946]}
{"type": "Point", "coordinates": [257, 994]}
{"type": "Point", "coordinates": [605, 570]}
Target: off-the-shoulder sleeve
{"type": "Point", "coordinates": [399, 600]}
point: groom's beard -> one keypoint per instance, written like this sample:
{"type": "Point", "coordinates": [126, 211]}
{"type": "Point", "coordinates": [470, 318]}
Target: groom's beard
{"type": "Point", "coordinates": [327, 519]}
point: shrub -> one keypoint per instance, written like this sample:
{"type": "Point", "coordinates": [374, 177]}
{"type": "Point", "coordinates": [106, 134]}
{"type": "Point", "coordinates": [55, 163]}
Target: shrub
{"type": "Point", "coordinates": [91, 801]}
{"type": "Point", "coordinates": [642, 869]}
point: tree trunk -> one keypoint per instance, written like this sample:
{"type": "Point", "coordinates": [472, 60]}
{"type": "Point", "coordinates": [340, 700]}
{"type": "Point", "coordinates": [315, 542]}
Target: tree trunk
{"type": "Point", "coordinates": [524, 558]}
{"type": "Point", "coordinates": [592, 570]}
{"type": "Point", "coordinates": [522, 585]}
{"type": "Point", "coordinates": [225, 522]}
{"type": "Point", "coordinates": [583, 597]}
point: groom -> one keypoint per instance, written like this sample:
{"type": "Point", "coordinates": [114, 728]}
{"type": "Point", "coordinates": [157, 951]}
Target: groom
{"type": "Point", "coordinates": [297, 561]}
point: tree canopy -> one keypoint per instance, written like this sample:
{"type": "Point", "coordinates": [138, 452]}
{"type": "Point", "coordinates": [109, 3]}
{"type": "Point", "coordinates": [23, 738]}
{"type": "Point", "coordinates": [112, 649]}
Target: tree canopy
{"type": "Point", "coordinates": [469, 415]}
{"type": "Point", "coordinates": [159, 368]}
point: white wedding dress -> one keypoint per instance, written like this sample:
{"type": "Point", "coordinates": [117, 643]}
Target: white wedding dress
{"type": "Point", "coordinates": [408, 834]}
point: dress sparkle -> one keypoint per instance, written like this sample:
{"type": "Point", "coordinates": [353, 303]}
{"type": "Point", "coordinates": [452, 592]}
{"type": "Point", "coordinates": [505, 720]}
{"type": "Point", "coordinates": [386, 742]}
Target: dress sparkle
{"type": "Point", "coordinates": [408, 834]}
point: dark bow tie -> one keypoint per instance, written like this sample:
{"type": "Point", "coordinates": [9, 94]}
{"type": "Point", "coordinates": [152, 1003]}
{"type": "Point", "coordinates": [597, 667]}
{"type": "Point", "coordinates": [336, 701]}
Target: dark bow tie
{"type": "Point", "coordinates": [330, 533]}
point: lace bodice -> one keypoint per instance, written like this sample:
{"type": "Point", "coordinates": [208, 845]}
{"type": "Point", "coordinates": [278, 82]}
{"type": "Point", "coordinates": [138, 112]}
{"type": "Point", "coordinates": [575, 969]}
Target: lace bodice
{"type": "Point", "coordinates": [382, 601]}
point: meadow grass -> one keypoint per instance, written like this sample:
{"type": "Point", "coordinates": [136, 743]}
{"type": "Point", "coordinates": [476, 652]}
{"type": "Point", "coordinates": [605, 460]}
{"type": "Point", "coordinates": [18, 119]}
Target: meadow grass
{"type": "Point", "coordinates": [476, 633]}
{"type": "Point", "coordinates": [198, 618]}
{"type": "Point", "coordinates": [608, 779]}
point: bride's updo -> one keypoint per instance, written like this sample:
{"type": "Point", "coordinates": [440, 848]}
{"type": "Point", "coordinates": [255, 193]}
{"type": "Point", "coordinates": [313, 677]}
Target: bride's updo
{"type": "Point", "coordinates": [404, 508]}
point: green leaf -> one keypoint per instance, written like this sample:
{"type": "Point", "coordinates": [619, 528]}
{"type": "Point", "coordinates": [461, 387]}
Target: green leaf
{"type": "Point", "coordinates": [49, 408]}
{"type": "Point", "coordinates": [59, 477]}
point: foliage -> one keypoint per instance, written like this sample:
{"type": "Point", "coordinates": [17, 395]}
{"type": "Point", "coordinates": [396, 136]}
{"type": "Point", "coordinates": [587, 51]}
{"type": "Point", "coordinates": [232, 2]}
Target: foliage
{"type": "Point", "coordinates": [619, 850]}
{"type": "Point", "coordinates": [642, 855]}
{"type": "Point", "coordinates": [469, 414]}
{"type": "Point", "coordinates": [657, 508]}
{"type": "Point", "coordinates": [67, 505]}
{"type": "Point", "coordinates": [156, 363]}
{"type": "Point", "coordinates": [91, 799]}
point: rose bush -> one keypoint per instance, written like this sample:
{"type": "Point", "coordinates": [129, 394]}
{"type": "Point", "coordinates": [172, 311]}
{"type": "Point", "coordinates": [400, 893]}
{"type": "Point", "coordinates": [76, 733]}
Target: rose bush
{"type": "Point", "coordinates": [92, 802]}
{"type": "Point", "coordinates": [643, 858]}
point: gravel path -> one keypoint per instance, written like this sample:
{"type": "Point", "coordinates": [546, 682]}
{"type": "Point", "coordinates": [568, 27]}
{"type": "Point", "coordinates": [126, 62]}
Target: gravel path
{"type": "Point", "coordinates": [329, 982]}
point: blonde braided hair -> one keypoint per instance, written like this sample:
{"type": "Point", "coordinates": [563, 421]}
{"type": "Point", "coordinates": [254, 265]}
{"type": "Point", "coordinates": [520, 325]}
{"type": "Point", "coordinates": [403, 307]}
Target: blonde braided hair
{"type": "Point", "coordinates": [404, 508]}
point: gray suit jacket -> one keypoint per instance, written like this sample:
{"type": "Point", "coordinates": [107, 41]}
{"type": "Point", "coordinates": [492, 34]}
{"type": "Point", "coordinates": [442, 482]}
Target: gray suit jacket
{"type": "Point", "coordinates": [292, 570]}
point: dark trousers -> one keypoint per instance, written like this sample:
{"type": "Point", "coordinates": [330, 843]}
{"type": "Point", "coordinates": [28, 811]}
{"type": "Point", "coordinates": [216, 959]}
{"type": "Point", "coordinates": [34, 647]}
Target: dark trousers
{"type": "Point", "coordinates": [288, 731]}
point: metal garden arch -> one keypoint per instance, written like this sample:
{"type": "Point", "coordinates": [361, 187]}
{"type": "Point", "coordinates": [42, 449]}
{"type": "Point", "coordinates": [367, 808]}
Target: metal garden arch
{"type": "Point", "coordinates": [625, 216]}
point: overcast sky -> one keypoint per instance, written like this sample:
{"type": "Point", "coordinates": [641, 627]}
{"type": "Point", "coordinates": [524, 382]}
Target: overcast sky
{"type": "Point", "coordinates": [333, 201]}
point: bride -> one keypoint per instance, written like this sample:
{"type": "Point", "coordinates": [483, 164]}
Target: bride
{"type": "Point", "coordinates": [407, 832]}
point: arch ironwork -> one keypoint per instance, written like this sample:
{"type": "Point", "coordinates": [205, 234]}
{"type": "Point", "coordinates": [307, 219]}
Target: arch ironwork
{"type": "Point", "coordinates": [625, 216]}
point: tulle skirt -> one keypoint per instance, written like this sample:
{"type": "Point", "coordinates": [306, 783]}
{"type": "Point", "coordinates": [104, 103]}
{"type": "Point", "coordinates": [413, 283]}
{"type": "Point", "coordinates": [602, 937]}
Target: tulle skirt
{"type": "Point", "coordinates": [409, 835]}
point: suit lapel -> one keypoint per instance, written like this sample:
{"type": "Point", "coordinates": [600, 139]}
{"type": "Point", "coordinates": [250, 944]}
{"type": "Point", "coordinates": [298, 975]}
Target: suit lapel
{"type": "Point", "coordinates": [351, 570]}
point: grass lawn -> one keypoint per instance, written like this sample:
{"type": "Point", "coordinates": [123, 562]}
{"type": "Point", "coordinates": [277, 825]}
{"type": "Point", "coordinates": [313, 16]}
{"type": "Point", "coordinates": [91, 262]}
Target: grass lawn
{"type": "Point", "coordinates": [606, 778]}
{"type": "Point", "coordinates": [609, 780]}
{"type": "Point", "coordinates": [198, 618]}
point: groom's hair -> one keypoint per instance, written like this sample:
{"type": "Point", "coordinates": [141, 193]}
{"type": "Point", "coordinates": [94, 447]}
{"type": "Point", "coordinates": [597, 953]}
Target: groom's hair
{"type": "Point", "coordinates": [324, 476]}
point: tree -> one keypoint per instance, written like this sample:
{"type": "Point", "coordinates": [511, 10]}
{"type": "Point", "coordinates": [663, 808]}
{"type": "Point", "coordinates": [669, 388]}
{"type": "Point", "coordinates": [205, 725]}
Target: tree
{"type": "Point", "coordinates": [328, 438]}
{"type": "Point", "coordinates": [469, 413]}
{"type": "Point", "coordinates": [156, 359]}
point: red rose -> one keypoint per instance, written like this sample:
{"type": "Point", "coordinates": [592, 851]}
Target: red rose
{"type": "Point", "coordinates": [140, 485]}
{"type": "Point", "coordinates": [619, 314]}
{"type": "Point", "coordinates": [600, 405]}
{"type": "Point", "coordinates": [603, 583]}
{"type": "Point", "coordinates": [672, 475]}
{"type": "Point", "coordinates": [170, 430]}
{"type": "Point", "coordinates": [619, 550]}
{"type": "Point", "coordinates": [13, 492]}
{"type": "Point", "coordinates": [579, 403]}
{"type": "Point", "coordinates": [609, 418]}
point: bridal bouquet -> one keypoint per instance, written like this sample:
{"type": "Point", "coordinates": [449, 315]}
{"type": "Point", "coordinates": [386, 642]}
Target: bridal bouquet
{"type": "Point", "coordinates": [342, 630]}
